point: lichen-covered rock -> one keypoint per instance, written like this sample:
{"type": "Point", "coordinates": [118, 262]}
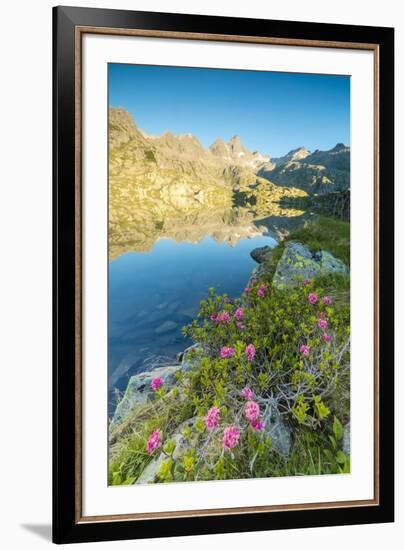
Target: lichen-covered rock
{"type": "Point", "coordinates": [260, 254]}
{"type": "Point", "coordinates": [298, 263]}
{"type": "Point", "coordinates": [182, 445]}
{"type": "Point", "coordinates": [278, 431]}
{"type": "Point", "coordinates": [139, 390]}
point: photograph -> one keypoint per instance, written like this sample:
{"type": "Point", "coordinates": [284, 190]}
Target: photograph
{"type": "Point", "coordinates": [228, 274]}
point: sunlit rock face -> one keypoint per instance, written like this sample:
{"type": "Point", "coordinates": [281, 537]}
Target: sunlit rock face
{"type": "Point", "coordinates": [171, 187]}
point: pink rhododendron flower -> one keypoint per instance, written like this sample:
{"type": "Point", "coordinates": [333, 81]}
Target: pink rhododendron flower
{"type": "Point", "coordinates": [238, 314]}
{"type": "Point", "coordinates": [261, 291]}
{"type": "Point", "coordinates": [227, 352]}
{"type": "Point", "coordinates": [253, 282]}
{"type": "Point", "coordinates": [239, 325]}
{"type": "Point", "coordinates": [156, 383]}
{"type": "Point", "coordinates": [252, 410]}
{"type": "Point", "coordinates": [247, 290]}
{"type": "Point", "coordinates": [212, 419]}
{"type": "Point", "coordinates": [250, 352]}
{"type": "Point", "coordinates": [305, 350]}
{"type": "Point", "coordinates": [307, 282]}
{"type": "Point", "coordinates": [327, 300]}
{"type": "Point", "coordinates": [313, 298]}
{"type": "Point", "coordinates": [326, 337]}
{"type": "Point", "coordinates": [224, 317]}
{"type": "Point", "coordinates": [231, 436]}
{"type": "Point", "coordinates": [322, 323]}
{"type": "Point", "coordinates": [154, 441]}
{"type": "Point", "coordinates": [247, 393]}
{"type": "Point", "coordinates": [258, 425]}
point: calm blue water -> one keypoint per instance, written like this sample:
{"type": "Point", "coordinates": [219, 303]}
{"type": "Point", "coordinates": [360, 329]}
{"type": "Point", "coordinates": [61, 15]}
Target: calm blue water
{"type": "Point", "coordinates": [153, 295]}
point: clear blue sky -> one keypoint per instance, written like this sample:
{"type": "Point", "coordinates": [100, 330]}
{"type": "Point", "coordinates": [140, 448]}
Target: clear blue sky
{"type": "Point", "coordinates": [271, 112]}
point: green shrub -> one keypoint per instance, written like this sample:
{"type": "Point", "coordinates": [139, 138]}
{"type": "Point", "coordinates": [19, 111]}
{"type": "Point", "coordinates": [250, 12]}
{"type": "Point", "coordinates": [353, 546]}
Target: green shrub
{"type": "Point", "coordinates": [283, 350]}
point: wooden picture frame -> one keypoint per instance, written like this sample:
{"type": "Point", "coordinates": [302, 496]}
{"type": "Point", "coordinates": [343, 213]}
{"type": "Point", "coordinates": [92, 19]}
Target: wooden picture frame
{"type": "Point", "coordinates": [70, 25]}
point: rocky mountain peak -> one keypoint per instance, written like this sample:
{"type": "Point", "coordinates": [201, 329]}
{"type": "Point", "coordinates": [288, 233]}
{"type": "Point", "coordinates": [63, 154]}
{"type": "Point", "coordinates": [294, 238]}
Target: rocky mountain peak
{"type": "Point", "coordinates": [299, 153]}
{"type": "Point", "coordinates": [339, 147]}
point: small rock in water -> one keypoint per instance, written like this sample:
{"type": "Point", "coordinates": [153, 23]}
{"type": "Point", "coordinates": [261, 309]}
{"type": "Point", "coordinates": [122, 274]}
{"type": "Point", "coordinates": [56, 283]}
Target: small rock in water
{"type": "Point", "coordinates": [167, 326]}
{"type": "Point", "coordinates": [260, 254]}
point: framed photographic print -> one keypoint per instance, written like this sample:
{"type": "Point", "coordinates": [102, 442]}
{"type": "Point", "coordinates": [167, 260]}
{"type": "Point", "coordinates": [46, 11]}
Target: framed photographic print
{"type": "Point", "coordinates": [223, 274]}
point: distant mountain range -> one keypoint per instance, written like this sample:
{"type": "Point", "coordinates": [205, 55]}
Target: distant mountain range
{"type": "Point", "coordinates": [171, 157]}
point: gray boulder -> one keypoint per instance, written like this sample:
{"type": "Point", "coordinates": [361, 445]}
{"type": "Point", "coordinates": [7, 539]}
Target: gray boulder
{"type": "Point", "coordinates": [279, 433]}
{"type": "Point", "coordinates": [139, 390]}
{"type": "Point", "coordinates": [298, 263]}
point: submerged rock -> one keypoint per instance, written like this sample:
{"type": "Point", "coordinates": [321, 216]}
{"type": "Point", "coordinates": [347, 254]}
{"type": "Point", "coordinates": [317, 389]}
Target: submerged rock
{"type": "Point", "coordinates": [298, 263]}
{"type": "Point", "coordinates": [138, 390]}
{"type": "Point", "coordinates": [167, 326]}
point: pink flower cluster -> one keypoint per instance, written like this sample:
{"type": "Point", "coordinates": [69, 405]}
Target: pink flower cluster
{"type": "Point", "coordinates": [252, 410]}
{"type": "Point", "coordinates": [156, 383]}
{"type": "Point", "coordinates": [258, 425]}
{"type": "Point", "coordinates": [154, 442]}
{"type": "Point", "coordinates": [322, 323]}
{"type": "Point", "coordinates": [307, 282]}
{"type": "Point", "coordinates": [313, 298]}
{"type": "Point", "coordinates": [222, 317]}
{"type": "Point", "coordinates": [327, 300]}
{"type": "Point", "coordinates": [212, 419]}
{"type": "Point", "coordinates": [227, 352]}
{"type": "Point", "coordinates": [247, 393]}
{"type": "Point", "coordinates": [252, 413]}
{"type": "Point", "coordinates": [262, 290]}
{"type": "Point", "coordinates": [304, 350]}
{"type": "Point", "coordinates": [231, 436]}
{"type": "Point", "coordinates": [250, 352]}
{"type": "Point", "coordinates": [239, 313]}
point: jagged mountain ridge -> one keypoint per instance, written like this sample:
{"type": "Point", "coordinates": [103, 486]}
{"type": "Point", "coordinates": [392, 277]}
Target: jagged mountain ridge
{"type": "Point", "coordinates": [172, 157]}
{"type": "Point", "coordinates": [224, 163]}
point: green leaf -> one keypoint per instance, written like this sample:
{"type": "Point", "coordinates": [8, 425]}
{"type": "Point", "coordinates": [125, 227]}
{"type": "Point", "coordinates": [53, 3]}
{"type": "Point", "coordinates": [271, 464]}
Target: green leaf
{"type": "Point", "coordinates": [116, 478]}
{"type": "Point", "coordinates": [333, 442]}
{"type": "Point", "coordinates": [129, 481]}
{"type": "Point", "coordinates": [169, 447]}
{"type": "Point", "coordinates": [338, 429]}
{"type": "Point", "coordinates": [341, 457]}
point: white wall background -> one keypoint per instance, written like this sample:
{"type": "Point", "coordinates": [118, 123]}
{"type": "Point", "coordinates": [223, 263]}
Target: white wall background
{"type": "Point", "coordinates": [25, 274]}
